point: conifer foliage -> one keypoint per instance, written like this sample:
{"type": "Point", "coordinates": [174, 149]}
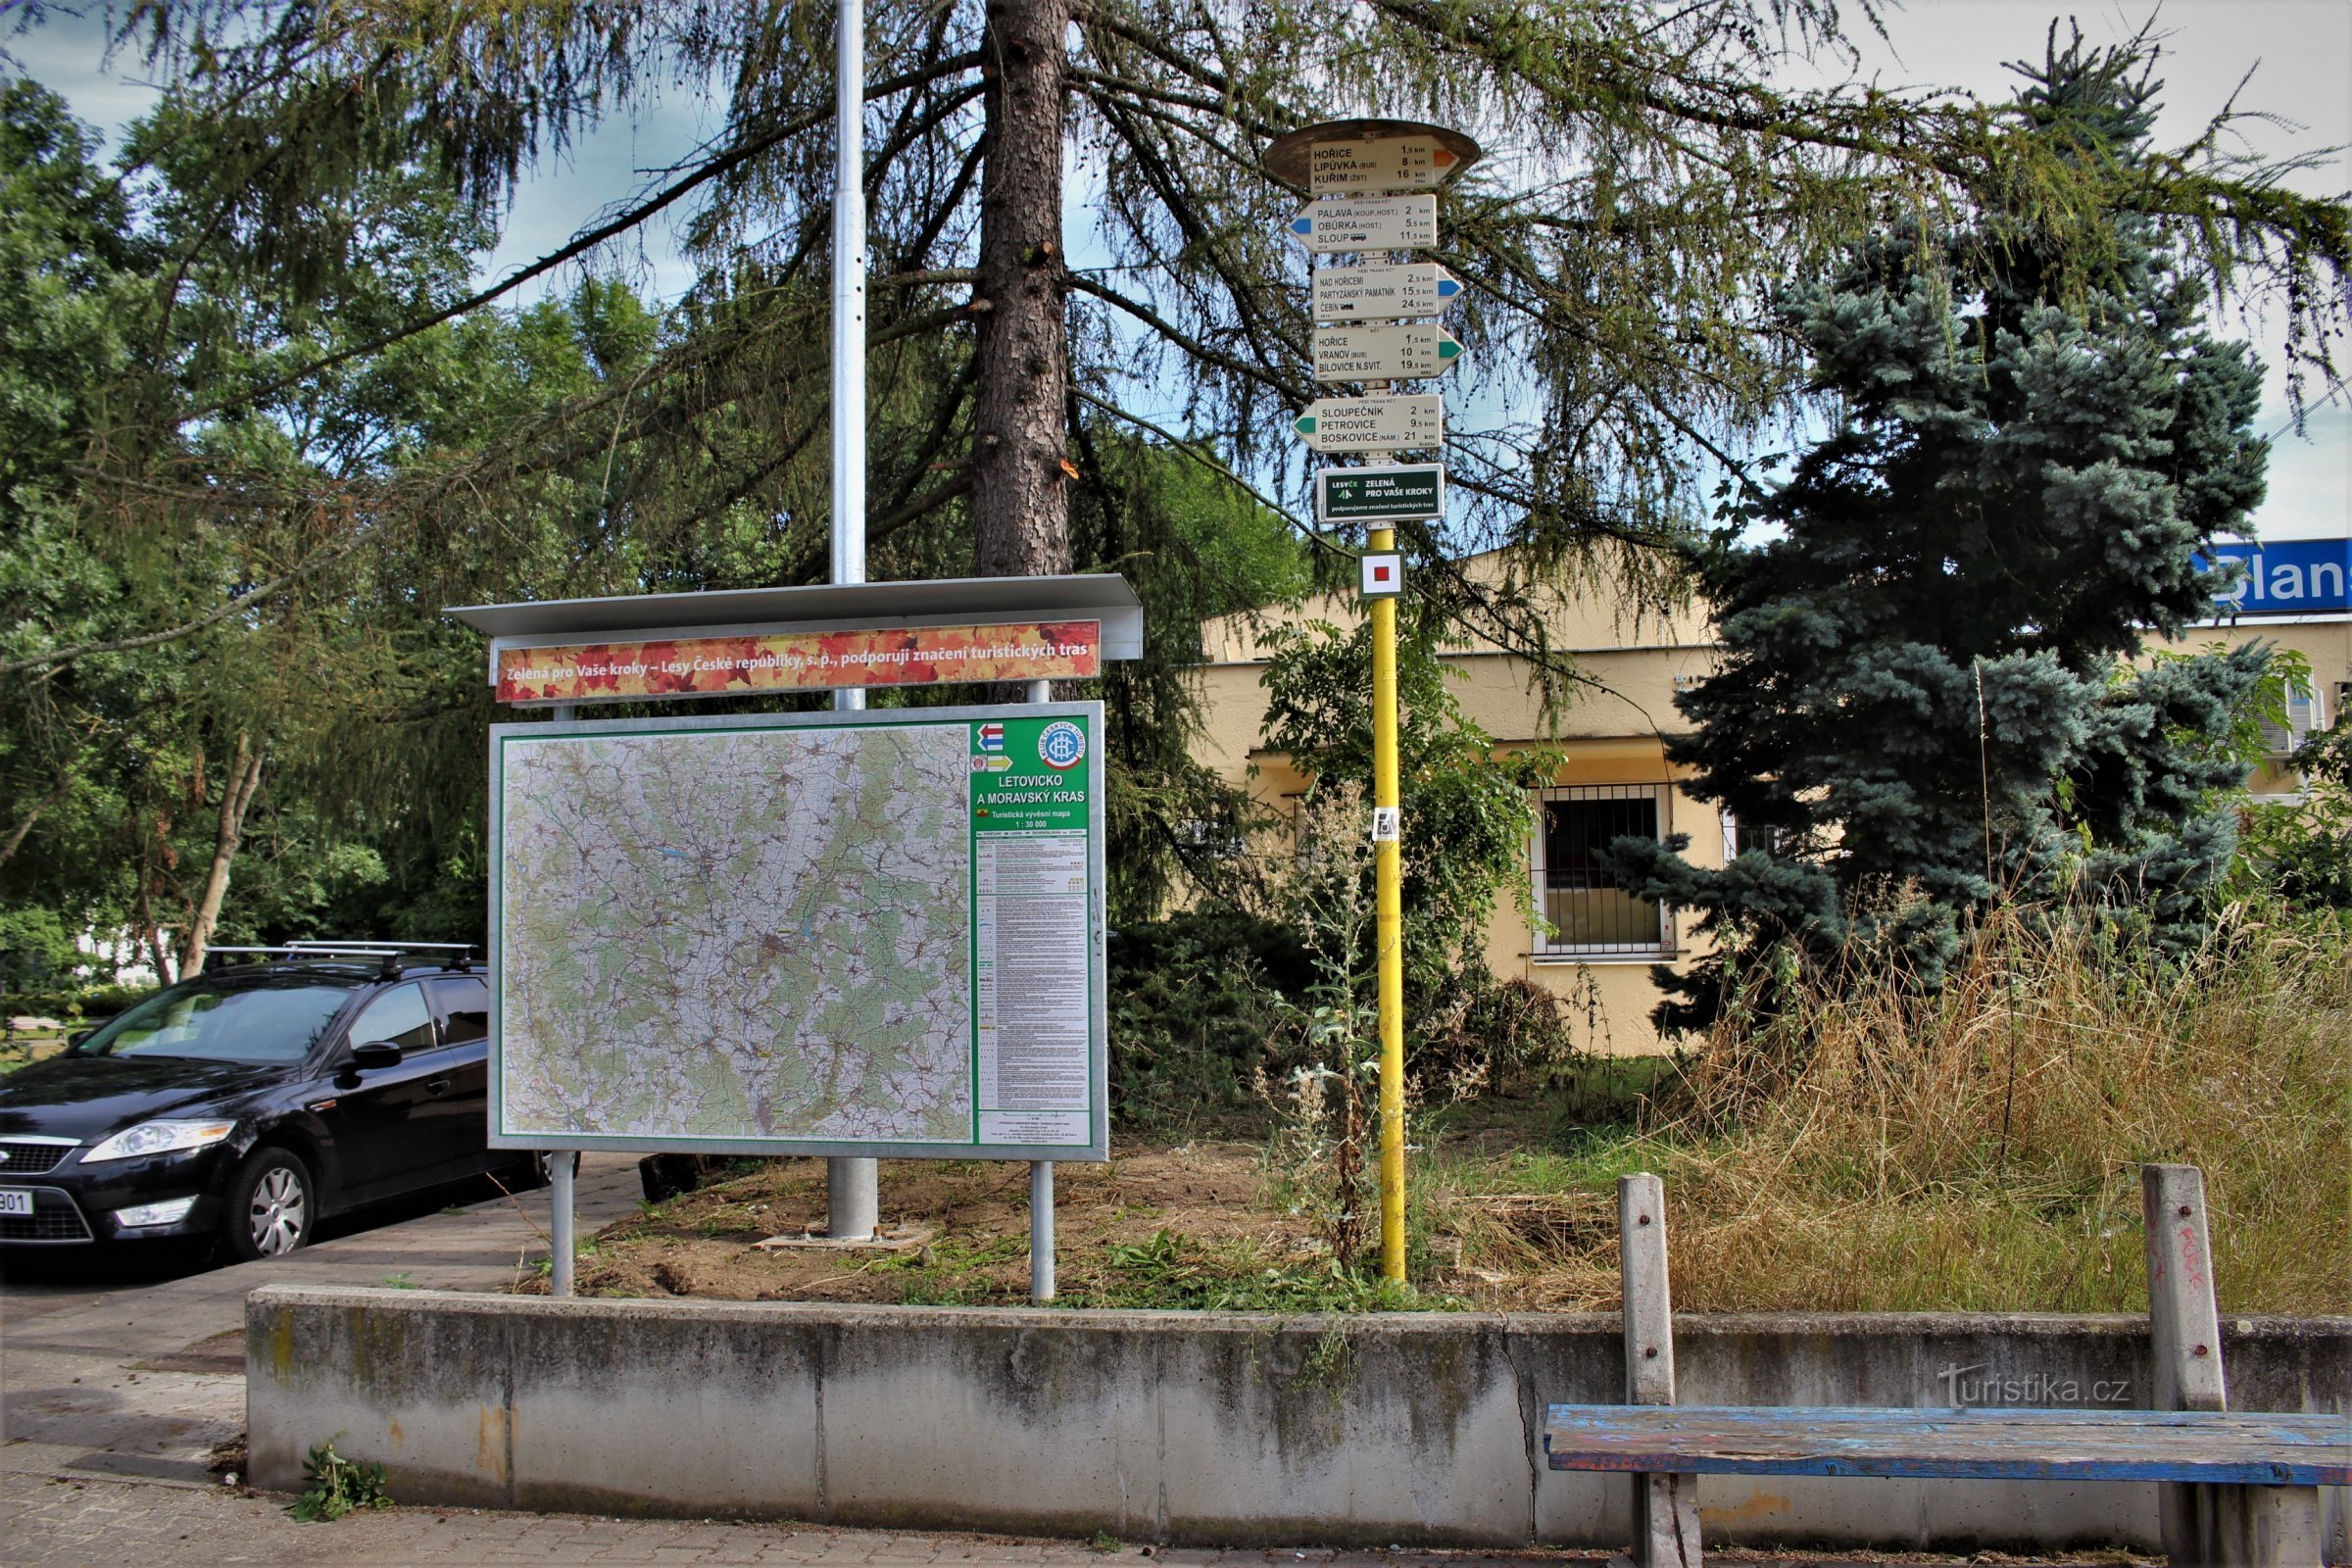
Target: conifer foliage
{"type": "Point", "coordinates": [1926, 700]}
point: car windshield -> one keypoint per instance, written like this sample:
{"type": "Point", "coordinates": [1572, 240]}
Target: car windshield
{"type": "Point", "coordinates": [229, 1019]}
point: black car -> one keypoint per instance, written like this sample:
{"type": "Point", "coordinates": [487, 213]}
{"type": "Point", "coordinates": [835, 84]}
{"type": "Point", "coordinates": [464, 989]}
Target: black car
{"type": "Point", "coordinates": [250, 1103]}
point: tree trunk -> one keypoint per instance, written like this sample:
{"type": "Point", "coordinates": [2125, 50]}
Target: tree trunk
{"type": "Point", "coordinates": [1019, 509]}
{"type": "Point", "coordinates": [57, 793]}
{"type": "Point", "coordinates": [236, 795]}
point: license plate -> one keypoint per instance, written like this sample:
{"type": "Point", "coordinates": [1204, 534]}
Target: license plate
{"type": "Point", "coordinates": [15, 1203]}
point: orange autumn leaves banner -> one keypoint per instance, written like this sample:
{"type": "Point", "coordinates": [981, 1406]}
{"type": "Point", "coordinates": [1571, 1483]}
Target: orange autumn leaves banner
{"type": "Point", "coordinates": [715, 667]}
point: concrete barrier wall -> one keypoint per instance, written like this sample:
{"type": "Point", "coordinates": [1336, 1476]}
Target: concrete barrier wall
{"type": "Point", "coordinates": [1193, 1427]}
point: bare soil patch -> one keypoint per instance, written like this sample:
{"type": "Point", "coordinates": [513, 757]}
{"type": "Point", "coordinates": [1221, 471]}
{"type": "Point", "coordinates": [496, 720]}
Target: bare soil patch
{"type": "Point", "coordinates": [1202, 1202]}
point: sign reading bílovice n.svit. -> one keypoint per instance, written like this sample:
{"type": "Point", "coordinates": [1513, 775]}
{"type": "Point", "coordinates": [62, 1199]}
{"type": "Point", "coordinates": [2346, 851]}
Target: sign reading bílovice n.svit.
{"type": "Point", "coordinates": [2280, 576]}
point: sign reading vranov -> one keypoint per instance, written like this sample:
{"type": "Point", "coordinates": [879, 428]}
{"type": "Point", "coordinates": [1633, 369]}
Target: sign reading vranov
{"type": "Point", "coordinates": [854, 933]}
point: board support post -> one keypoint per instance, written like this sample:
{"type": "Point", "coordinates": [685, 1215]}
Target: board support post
{"type": "Point", "coordinates": [561, 1163]}
{"type": "Point", "coordinates": [563, 1250]}
{"type": "Point", "coordinates": [1041, 1172]}
{"type": "Point", "coordinates": [1665, 1506]}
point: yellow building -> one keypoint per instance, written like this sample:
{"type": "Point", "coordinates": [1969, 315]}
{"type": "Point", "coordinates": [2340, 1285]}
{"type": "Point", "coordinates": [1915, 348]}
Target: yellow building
{"type": "Point", "coordinates": [1614, 779]}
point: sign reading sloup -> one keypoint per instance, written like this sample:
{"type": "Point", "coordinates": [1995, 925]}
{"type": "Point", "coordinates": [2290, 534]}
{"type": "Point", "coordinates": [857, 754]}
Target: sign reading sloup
{"type": "Point", "coordinates": [2282, 577]}
{"type": "Point", "coordinates": [798, 661]}
{"type": "Point", "coordinates": [852, 933]}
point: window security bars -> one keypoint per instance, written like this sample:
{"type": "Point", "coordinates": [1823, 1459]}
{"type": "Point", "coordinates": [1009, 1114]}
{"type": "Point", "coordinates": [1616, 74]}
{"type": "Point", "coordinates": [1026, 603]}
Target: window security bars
{"type": "Point", "coordinates": [1590, 912]}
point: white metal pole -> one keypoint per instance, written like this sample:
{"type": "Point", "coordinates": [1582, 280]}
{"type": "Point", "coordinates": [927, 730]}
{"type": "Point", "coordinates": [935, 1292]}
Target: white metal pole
{"type": "Point", "coordinates": [1041, 1172]}
{"type": "Point", "coordinates": [561, 1246]}
{"type": "Point", "coordinates": [560, 1166]}
{"type": "Point", "coordinates": [853, 1197]}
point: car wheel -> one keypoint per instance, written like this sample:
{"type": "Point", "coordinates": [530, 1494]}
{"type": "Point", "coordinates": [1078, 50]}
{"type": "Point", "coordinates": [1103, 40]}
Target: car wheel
{"type": "Point", "coordinates": [272, 1206]}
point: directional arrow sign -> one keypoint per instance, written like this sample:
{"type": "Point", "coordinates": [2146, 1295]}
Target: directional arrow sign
{"type": "Point", "coordinates": [1389, 162]}
{"type": "Point", "coordinates": [1330, 223]}
{"type": "Point", "coordinates": [1388, 292]}
{"type": "Point", "coordinates": [1374, 424]}
{"type": "Point", "coordinates": [1396, 351]}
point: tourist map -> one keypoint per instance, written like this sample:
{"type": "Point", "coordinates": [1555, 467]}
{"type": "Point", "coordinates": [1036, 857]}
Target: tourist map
{"type": "Point", "coordinates": [866, 933]}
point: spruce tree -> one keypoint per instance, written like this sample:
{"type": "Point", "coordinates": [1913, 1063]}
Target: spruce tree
{"type": "Point", "coordinates": [1925, 698]}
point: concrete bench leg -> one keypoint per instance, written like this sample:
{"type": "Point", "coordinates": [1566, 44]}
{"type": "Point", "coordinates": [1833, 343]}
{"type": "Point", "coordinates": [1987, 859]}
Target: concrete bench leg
{"type": "Point", "coordinates": [1665, 1506]}
{"type": "Point", "coordinates": [2242, 1527]}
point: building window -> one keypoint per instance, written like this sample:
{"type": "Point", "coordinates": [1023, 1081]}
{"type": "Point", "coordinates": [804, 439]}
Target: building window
{"type": "Point", "coordinates": [1590, 912]}
{"type": "Point", "coordinates": [2305, 713]}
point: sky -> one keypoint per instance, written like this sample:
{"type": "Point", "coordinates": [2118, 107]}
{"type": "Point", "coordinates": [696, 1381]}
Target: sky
{"type": "Point", "coordinates": [2298, 52]}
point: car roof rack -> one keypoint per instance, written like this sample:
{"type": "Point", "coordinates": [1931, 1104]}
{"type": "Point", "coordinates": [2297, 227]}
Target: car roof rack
{"type": "Point", "coordinates": [390, 956]}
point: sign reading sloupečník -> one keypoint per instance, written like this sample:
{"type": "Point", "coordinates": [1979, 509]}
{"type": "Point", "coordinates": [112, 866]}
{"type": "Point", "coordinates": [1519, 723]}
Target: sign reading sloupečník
{"type": "Point", "coordinates": [799, 661]}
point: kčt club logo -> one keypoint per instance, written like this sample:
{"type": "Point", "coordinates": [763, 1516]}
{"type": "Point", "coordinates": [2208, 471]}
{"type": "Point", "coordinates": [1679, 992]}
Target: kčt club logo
{"type": "Point", "coordinates": [1062, 746]}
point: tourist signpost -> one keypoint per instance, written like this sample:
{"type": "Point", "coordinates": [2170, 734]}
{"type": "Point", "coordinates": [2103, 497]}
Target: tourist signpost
{"type": "Point", "coordinates": [1333, 223]}
{"type": "Point", "coordinates": [1390, 292]}
{"type": "Point", "coordinates": [1386, 351]}
{"type": "Point", "coordinates": [1409, 422]}
{"type": "Point", "coordinates": [1373, 186]}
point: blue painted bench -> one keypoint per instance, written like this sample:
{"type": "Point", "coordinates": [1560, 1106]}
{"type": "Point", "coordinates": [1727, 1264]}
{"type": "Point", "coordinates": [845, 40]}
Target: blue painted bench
{"type": "Point", "coordinates": [2236, 1488]}
{"type": "Point", "coordinates": [2240, 1449]}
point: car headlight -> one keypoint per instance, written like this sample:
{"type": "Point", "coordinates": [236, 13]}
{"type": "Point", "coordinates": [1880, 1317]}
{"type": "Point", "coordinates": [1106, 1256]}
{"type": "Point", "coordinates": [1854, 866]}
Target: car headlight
{"type": "Point", "coordinates": [159, 1138]}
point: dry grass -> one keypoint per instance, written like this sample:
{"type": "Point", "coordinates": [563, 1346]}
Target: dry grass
{"type": "Point", "coordinates": [1865, 1151]}
{"type": "Point", "coordinates": [1980, 1151]}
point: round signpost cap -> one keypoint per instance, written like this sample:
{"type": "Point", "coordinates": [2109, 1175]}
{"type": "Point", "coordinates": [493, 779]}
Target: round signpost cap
{"type": "Point", "coordinates": [1286, 155]}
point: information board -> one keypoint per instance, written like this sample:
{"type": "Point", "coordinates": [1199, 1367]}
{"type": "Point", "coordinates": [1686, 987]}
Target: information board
{"type": "Point", "coordinates": [874, 933]}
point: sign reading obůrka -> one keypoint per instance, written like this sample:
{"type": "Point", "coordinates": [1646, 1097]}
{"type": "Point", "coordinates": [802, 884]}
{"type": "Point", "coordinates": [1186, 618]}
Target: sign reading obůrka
{"type": "Point", "coordinates": [799, 661]}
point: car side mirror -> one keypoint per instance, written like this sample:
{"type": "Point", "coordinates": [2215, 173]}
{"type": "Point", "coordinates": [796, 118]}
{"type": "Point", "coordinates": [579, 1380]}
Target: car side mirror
{"type": "Point", "coordinates": [375, 1053]}
{"type": "Point", "coordinates": [79, 1036]}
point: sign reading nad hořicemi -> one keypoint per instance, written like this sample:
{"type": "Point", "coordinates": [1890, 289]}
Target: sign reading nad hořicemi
{"type": "Point", "coordinates": [798, 661]}
{"type": "Point", "coordinates": [860, 932]}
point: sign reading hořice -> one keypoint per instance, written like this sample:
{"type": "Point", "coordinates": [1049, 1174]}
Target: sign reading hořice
{"type": "Point", "coordinates": [836, 933]}
{"type": "Point", "coordinates": [2282, 577]}
{"type": "Point", "coordinates": [798, 661]}
{"type": "Point", "coordinates": [1405, 493]}
{"type": "Point", "coordinates": [1379, 163]}
{"type": "Point", "coordinates": [1392, 351]}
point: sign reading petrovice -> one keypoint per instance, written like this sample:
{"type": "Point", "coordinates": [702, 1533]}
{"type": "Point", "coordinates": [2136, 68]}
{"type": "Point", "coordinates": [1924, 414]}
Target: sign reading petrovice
{"type": "Point", "coordinates": [855, 933]}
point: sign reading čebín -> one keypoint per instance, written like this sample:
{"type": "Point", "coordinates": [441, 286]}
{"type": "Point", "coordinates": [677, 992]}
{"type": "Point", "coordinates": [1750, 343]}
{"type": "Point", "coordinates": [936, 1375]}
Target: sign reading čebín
{"type": "Point", "coordinates": [853, 933]}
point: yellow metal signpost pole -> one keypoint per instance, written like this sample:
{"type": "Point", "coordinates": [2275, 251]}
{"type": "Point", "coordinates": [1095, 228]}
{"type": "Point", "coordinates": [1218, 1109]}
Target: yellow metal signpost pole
{"type": "Point", "coordinates": [1388, 894]}
{"type": "Point", "coordinates": [1372, 187]}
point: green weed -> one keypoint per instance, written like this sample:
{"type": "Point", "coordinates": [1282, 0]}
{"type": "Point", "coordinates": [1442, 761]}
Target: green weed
{"type": "Point", "coordinates": [333, 1485]}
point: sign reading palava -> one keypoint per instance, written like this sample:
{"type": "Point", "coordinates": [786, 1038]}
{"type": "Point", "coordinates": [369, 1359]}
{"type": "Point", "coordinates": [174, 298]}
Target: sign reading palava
{"type": "Point", "coordinates": [798, 661]}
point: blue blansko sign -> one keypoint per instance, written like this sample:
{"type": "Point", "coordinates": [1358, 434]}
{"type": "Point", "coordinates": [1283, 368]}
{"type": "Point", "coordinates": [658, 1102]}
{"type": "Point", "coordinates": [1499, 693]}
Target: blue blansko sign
{"type": "Point", "coordinates": [2282, 577]}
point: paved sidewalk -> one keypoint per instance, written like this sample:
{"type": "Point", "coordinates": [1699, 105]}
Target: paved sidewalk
{"type": "Point", "coordinates": [64, 1523]}
{"type": "Point", "coordinates": [117, 1389]}
{"type": "Point", "coordinates": [135, 1365]}
{"type": "Point", "coordinates": [94, 1523]}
